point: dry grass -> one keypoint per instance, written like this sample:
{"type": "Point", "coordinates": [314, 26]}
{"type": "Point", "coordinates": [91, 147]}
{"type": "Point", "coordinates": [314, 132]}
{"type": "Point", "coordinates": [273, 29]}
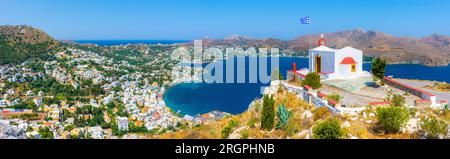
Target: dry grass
{"type": "Point", "coordinates": [295, 82]}
{"type": "Point", "coordinates": [358, 129]}
{"type": "Point", "coordinates": [251, 120]}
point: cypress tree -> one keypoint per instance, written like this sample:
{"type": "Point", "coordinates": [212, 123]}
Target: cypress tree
{"type": "Point", "coordinates": [378, 69]}
{"type": "Point", "coordinates": [268, 113]}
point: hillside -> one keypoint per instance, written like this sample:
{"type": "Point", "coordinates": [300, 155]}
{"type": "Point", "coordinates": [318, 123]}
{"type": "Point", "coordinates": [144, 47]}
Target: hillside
{"type": "Point", "coordinates": [18, 43]}
{"type": "Point", "coordinates": [245, 42]}
{"type": "Point", "coordinates": [433, 50]}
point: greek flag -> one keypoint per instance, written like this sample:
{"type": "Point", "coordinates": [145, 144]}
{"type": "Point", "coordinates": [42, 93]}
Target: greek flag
{"type": "Point", "coordinates": [305, 20]}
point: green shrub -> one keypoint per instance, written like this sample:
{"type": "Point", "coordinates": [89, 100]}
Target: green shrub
{"type": "Point", "coordinates": [329, 129]}
{"type": "Point", "coordinates": [252, 122]}
{"type": "Point", "coordinates": [283, 117]}
{"type": "Point", "coordinates": [391, 118]}
{"type": "Point", "coordinates": [293, 125]}
{"type": "Point", "coordinates": [397, 100]}
{"type": "Point", "coordinates": [312, 79]}
{"type": "Point", "coordinates": [244, 134]}
{"type": "Point", "coordinates": [227, 130]}
{"type": "Point", "coordinates": [335, 97]}
{"type": "Point", "coordinates": [268, 113]}
{"type": "Point", "coordinates": [433, 128]}
{"type": "Point", "coordinates": [45, 133]}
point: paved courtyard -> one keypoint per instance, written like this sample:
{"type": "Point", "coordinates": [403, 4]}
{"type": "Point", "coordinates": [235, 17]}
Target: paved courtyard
{"type": "Point", "coordinates": [440, 95]}
{"type": "Point", "coordinates": [362, 91]}
{"type": "Point", "coordinates": [352, 85]}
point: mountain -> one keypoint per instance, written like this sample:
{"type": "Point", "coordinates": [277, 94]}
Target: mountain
{"type": "Point", "coordinates": [433, 50]}
{"type": "Point", "coordinates": [245, 42]}
{"type": "Point", "coordinates": [18, 43]}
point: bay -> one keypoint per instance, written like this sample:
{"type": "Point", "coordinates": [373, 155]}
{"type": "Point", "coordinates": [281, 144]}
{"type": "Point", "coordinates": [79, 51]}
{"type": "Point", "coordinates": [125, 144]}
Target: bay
{"type": "Point", "coordinates": [200, 98]}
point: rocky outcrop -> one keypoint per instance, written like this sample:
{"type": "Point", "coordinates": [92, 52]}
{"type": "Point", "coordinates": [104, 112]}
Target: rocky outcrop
{"type": "Point", "coordinates": [8, 131]}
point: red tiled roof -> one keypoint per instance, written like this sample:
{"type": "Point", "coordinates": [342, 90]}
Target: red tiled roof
{"type": "Point", "coordinates": [156, 115]}
{"type": "Point", "coordinates": [321, 95]}
{"type": "Point", "coordinates": [348, 60]}
{"type": "Point", "coordinates": [332, 102]}
{"type": "Point", "coordinates": [423, 101]}
{"type": "Point", "coordinates": [307, 87]}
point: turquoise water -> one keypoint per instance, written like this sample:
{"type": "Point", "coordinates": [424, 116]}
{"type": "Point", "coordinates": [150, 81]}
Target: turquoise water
{"type": "Point", "coordinates": [200, 98]}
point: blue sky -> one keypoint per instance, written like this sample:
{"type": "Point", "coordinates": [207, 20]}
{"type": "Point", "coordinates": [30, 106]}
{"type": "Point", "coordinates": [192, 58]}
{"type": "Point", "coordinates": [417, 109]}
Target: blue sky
{"type": "Point", "coordinates": [194, 19]}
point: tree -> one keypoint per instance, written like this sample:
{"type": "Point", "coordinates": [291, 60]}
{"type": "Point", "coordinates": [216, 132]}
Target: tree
{"type": "Point", "coordinates": [268, 113]}
{"type": "Point", "coordinates": [378, 69]}
{"type": "Point", "coordinates": [312, 79]}
{"type": "Point", "coordinates": [111, 105]}
{"type": "Point", "coordinates": [391, 118]}
{"type": "Point", "coordinates": [433, 128]}
{"type": "Point", "coordinates": [329, 129]}
{"type": "Point", "coordinates": [45, 133]}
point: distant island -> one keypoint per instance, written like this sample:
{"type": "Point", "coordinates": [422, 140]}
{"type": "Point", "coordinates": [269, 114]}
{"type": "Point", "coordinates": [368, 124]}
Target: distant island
{"type": "Point", "coordinates": [18, 43]}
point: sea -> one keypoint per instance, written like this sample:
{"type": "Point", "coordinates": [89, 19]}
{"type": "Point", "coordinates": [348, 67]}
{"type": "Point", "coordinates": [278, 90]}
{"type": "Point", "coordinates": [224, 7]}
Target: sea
{"type": "Point", "coordinates": [124, 42]}
{"type": "Point", "coordinates": [199, 98]}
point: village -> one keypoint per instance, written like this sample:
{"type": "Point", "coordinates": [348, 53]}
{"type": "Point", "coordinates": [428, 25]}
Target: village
{"type": "Point", "coordinates": [82, 94]}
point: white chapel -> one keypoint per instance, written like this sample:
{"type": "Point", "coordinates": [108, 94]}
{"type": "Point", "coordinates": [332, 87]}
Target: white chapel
{"type": "Point", "coordinates": [345, 63]}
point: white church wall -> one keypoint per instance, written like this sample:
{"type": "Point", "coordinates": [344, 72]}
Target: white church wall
{"type": "Point", "coordinates": [331, 62]}
{"type": "Point", "coordinates": [350, 52]}
{"type": "Point", "coordinates": [346, 72]}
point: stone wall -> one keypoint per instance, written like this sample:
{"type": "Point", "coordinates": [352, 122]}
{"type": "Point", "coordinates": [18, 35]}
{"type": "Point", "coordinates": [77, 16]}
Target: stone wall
{"type": "Point", "coordinates": [310, 97]}
{"type": "Point", "coordinates": [411, 90]}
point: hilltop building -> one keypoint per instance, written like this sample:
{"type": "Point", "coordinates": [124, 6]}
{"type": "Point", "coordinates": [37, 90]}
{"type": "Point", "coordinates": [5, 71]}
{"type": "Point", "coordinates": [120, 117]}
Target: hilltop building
{"type": "Point", "coordinates": [329, 63]}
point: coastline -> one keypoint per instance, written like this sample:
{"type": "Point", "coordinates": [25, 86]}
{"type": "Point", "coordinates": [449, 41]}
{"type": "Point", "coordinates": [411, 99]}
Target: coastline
{"type": "Point", "coordinates": [194, 80]}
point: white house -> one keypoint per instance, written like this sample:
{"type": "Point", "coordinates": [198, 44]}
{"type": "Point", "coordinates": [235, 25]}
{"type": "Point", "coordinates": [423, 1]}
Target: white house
{"type": "Point", "coordinates": [38, 101]}
{"type": "Point", "coordinates": [122, 122]}
{"type": "Point", "coordinates": [345, 63]}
